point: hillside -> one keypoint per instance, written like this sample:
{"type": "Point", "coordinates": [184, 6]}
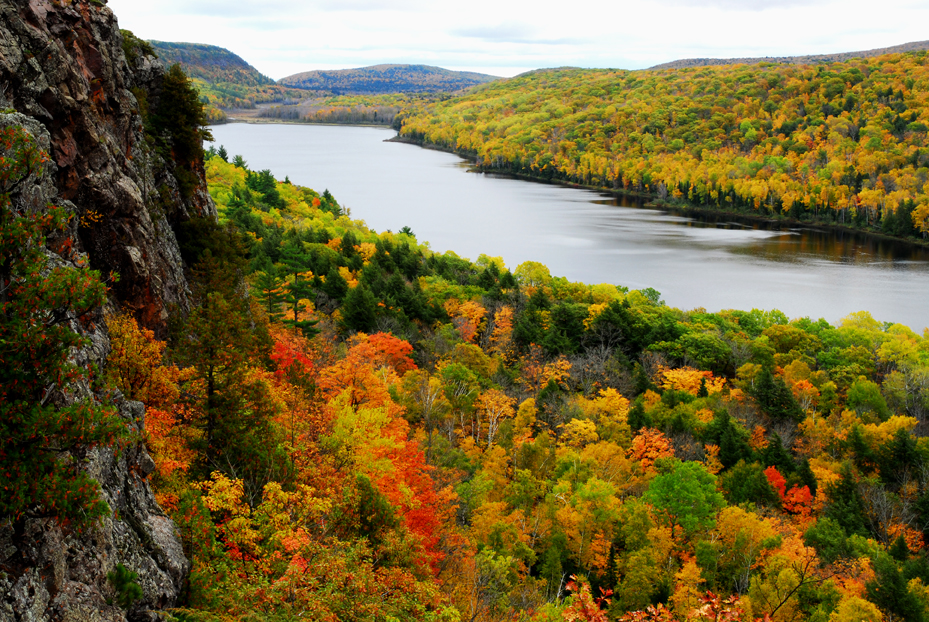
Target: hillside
{"type": "Point", "coordinates": [210, 63]}
{"type": "Point", "coordinates": [840, 143]}
{"type": "Point", "coordinates": [439, 439]}
{"type": "Point", "coordinates": [386, 79]}
{"type": "Point", "coordinates": [223, 78]}
{"type": "Point", "coordinates": [811, 59]}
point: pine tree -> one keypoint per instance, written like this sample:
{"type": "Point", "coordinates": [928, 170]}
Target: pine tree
{"type": "Point", "coordinates": [846, 506]}
{"type": "Point", "coordinates": [37, 303]}
{"type": "Point", "coordinates": [359, 310]}
{"type": "Point", "coordinates": [774, 398]}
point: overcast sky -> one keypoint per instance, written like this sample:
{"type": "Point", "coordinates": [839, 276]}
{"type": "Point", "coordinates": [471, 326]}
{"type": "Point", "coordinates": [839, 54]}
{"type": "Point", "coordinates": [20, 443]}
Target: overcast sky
{"type": "Point", "coordinates": [506, 37]}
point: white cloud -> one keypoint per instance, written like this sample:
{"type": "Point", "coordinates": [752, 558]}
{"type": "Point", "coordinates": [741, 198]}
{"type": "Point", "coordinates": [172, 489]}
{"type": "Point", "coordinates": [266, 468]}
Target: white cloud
{"type": "Point", "coordinates": [282, 37]}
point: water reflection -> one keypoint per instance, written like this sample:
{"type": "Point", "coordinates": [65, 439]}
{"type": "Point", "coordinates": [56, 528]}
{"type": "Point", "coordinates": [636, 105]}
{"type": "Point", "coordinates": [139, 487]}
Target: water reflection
{"type": "Point", "coordinates": [776, 241]}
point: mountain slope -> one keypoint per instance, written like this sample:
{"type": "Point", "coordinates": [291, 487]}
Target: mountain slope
{"type": "Point", "coordinates": [915, 46]}
{"type": "Point", "coordinates": [387, 79]}
{"type": "Point", "coordinates": [222, 77]}
{"type": "Point", "coordinates": [210, 63]}
{"type": "Point", "coordinates": [843, 143]}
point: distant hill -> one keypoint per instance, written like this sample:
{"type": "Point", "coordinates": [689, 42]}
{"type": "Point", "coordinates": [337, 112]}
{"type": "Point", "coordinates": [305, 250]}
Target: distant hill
{"type": "Point", "coordinates": [916, 46]}
{"type": "Point", "coordinates": [384, 79]}
{"type": "Point", "coordinates": [223, 78]}
{"type": "Point", "coordinates": [210, 63]}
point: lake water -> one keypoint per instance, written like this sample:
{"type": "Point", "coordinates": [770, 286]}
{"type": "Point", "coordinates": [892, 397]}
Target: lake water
{"type": "Point", "coordinates": [713, 262]}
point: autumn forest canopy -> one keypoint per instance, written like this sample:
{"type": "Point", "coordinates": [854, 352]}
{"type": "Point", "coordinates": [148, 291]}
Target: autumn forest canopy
{"type": "Point", "coordinates": [840, 142]}
{"type": "Point", "coordinates": [346, 415]}
{"type": "Point", "coordinates": [347, 425]}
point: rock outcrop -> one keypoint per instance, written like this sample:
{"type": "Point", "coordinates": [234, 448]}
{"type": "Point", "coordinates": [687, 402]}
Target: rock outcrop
{"type": "Point", "coordinates": [65, 77]}
{"type": "Point", "coordinates": [62, 62]}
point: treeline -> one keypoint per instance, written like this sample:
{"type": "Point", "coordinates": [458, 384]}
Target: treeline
{"type": "Point", "coordinates": [810, 59]}
{"type": "Point", "coordinates": [351, 426]}
{"type": "Point", "coordinates": [337, 110]}
{"type": "Point", "coordinates": [387, 79]}
{"type": "Point", "coordinates": [840, 143]}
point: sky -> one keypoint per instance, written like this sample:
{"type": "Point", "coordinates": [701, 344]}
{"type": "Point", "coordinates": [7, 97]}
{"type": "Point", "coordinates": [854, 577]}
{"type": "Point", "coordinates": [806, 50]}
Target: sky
{"type": "Point", "coordinates": [507, 37]}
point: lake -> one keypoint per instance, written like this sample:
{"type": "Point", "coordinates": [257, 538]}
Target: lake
{"type": "Point", "coordinates": [712, 261]}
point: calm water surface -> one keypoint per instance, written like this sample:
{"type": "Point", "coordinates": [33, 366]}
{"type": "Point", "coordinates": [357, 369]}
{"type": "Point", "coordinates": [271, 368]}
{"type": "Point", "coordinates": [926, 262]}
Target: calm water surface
{"type": "Point", "coordinates": [713, 262]}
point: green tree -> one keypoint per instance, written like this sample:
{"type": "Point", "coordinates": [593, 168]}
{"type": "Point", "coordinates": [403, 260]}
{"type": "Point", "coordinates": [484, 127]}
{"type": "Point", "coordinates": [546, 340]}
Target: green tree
{"type": "Point", "coordinates": [774, 398]}
{"type": "Point", "coordinates": [864, 397]}
{"type": "Point", "coordinates": [359, 310]}
{"type": "Point", "coordinates": [747, 483]}
{"type": "Point", "coordinates": [37, 304]}
{"type": "Point", "coordinates": [729, 436]}
{"type": "Point", "coordinates": [180, 116]}
{"type": "Point", "coordinates": [686, 497]}
{"type": "Point", "coordinates": [219, 339]}
{"type": "Point", "coordinates": [889, 591]}
{"type": "Point", "coordinates": [336, 287]}
{"type": "Point", "coordinates": [846, 506]}
{"type": "Point", "coordinates": [268, 285]}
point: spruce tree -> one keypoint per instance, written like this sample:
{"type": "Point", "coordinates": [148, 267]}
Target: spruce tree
{"type": "Point", "coordinates": [774, 398]}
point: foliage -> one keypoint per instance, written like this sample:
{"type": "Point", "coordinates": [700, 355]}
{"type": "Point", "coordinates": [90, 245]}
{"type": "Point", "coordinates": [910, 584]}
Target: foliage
{"type": "Point", "coordinates": [124, 584]}
{"type": "Point", "coordinates": [179, 115]}
{"type": "Point", "coordinates": [842, 142]}
{"type": "Point", "coordinates": [386, 79]}
{"type": "Point", "coordinates": [453, 440]}
{"type": "Point", "coordinates": [46, 409]}
{"type": "Point", "coordinates": [222, 79]}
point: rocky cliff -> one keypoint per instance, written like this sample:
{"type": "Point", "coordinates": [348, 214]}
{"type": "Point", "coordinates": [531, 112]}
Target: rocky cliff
{"type": "Point", "coordinates": [62, 62]}
{"type": "Point", "coordinates": [65, 77]}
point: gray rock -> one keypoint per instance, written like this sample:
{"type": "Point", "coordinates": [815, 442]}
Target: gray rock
{"type": "Point", "coordinates": [63, 70]}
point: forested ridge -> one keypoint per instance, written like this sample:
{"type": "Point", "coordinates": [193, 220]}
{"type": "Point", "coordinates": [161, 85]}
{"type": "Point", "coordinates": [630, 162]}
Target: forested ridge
{"type": "Point", "coordinates": [838, 143]}
{"type": "Point", "coordinates": [808, 59]}
{"type": "Point", "coordinates": [223, 79]}
{"type": "Point", "coordinates": [345, 109]}
{"type": "Point", "coordinates": [386, 79]}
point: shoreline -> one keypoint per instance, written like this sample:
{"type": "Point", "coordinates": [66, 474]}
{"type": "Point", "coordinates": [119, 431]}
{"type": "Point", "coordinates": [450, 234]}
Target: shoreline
{"type": "Point", "coordinates": [652, 200]}
{"type": "Point", "coordinates": [648, 199]}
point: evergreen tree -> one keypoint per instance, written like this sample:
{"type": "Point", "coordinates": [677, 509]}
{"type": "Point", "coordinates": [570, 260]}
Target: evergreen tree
{"type": "Point", "coordinates": [180, 116]}
{"type": "Point", "coordinates": [218, 340]}
{"type": "Point", "coordinates": [359, 310]}
{"type": "Point", "coordinates": [37, 303]}
{"type": "Point", "coordinates": [731, 439]}
{"type": "Point", "coordinates": [774, 398]}
{"type": "Point", "coordinates": [776, 455]}
{"type": "Point", "coordinates": [268, 284]}
{"type": "Point", "coordinates": [335, 286]}
{"type": "Point", "coordinates": [889, 591]}
{"type": "Point", "coordinates": [846, 506]}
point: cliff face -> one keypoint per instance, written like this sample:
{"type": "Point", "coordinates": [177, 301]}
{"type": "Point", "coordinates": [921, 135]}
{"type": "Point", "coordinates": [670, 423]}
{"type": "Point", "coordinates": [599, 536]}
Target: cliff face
{"type": "Point", "coordinates": [62, 62]}
{"type": "Point", "coordinates": [65, 78]}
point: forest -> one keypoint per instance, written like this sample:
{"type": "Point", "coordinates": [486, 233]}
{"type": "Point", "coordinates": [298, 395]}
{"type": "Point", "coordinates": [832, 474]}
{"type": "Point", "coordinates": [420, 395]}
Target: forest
{"type": "Point", "coordinates": [386, 79]}
{"type": "Point", "coordinates": [347, 425]}
{"type": "Point", "coordinates": [343, 109]}
{"type": "Point", "coordinates": [838, 143]}
{"type": "Point", "coordinates": [223, 79]}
